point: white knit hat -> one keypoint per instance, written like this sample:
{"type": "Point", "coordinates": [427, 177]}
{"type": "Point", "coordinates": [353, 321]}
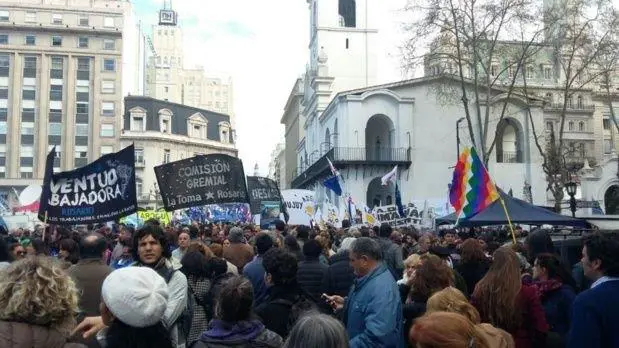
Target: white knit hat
{"type": "Point", "coordinates": [137, 296]}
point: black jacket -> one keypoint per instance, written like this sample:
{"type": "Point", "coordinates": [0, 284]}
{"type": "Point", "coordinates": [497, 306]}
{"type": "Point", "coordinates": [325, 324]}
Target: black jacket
{"type": "Point", "coordinates": [472, 272]}
{"type": "Point", "coordinates": [339, 276]}
{"type": "Point", "coordinates": [310, 275]}
{"type": "Point", "coordinates": [276, 311]}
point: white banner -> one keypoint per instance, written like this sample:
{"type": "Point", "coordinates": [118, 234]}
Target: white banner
{"type": "Point", "coordinates": [300, 205]}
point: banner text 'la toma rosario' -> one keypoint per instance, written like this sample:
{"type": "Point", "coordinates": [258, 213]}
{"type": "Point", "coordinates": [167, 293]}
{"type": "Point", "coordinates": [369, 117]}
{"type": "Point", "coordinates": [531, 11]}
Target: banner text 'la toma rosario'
{"type": "Point", "coordinates": [202, 180]}
{"type": "Point", "coordinates": [101, 191]}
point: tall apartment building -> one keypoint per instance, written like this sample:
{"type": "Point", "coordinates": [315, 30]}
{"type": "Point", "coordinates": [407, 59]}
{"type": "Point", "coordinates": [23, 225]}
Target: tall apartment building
{"type": "Point", "coordinates": [60, 84]}
{"type": "Point", "coordinates": [168, 79]}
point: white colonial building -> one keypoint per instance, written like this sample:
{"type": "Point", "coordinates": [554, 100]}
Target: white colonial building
{"type": "Point", "coordinates": [337, 112]}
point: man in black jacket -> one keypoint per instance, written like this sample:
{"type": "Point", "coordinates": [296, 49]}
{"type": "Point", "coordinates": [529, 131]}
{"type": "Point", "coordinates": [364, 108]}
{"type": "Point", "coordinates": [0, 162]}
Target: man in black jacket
{"type": "Point", "coordinates": [311, 271]}
{"type": "Point", "coordinates": [392, 253]}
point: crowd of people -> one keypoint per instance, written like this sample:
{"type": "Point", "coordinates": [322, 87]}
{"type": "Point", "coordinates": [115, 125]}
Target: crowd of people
{"type": "Point", "coordinates": [222, 285]}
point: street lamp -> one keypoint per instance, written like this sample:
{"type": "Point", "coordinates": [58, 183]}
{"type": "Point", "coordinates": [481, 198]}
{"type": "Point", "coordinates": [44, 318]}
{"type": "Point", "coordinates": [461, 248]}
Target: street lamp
{"type": "Point", "coordinates": [570, 187]}
{"type": "Point", "coordinates": [458, 136]}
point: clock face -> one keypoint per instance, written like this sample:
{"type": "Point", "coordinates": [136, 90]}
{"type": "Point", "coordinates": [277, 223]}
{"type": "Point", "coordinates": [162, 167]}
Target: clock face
{"type": "Point", "coordinates": [167, 17]}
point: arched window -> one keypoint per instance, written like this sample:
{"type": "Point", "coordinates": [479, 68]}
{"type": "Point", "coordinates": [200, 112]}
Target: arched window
{"type": "Point", "coordinates": [570, 126]}
{"type": "Point", "coordinates": [570, 103]}
{"type": "Point", "coordinates": [579, 102]}
{"type": "Point", "coordinates": [509, 141]}
{"type": "Point", "coordinates": [581, 126]}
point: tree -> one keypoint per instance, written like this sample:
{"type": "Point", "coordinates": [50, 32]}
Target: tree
{"type": "Point", "coordinates": [480, 43]}
{"type": "Point", "coordinates": [583, 42]}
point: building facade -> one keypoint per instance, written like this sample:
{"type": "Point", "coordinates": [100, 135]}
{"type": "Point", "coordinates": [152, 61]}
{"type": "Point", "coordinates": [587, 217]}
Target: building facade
{"type": "Point", "coordinates": [163, 132]}
{"type": "Point", "coordinates": [277, 166]}
{"type": "Point", "coordinates": [168, 79]}
{"type": "Point", "coordinates": [60, 84]}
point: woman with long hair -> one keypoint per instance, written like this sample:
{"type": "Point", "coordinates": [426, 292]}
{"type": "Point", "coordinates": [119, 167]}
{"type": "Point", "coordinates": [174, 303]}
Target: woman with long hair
{"type": "Point", "coordinates": [447, 330]}
{"type": "Point", "coordinates": [38, 304]}
{"type": "Point", "coordinates": [503, 301]}
{"type": "Point", "coordinates": [556, 289]}
{"type": "Point", "coordinates": [196, 267]}
{"type": "Point", "coordinates": [134, 301]}
{"type": "Point", "coordinates": [453, 300]}
{"type": "Point", "coordinates": [473, 262]}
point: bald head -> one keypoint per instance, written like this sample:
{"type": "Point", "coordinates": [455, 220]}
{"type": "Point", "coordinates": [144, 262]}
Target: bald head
{"type": "Point", "coordinates": [92, 246]}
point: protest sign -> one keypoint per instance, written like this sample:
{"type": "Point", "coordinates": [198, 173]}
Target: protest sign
{"type": "Point", "coordinates": [101, 191]}
{"type": "Point", "coordinates": [262, 190]}
{"type": "Point", "coordinates": [202, 180]}
{"type": "Point", "coordinates": [389, 214]}
{"type": "Point", "coordinates": [300, 206]}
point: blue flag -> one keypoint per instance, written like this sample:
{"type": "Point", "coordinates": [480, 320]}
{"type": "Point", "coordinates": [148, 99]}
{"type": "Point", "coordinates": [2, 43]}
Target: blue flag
{"type": "Point", "coordinates": [334, 185]}
{"type": "Point", "coordinates": [398, 200]}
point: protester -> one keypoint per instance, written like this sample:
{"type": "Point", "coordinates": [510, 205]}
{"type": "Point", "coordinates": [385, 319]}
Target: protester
{"type": "Point", "coordinates": [183, 244]}
{"type": "Point", "coordinates": [317, 330]}
{"type": "Point", "coordinates": [340, 276]}
{"type": "Point", "coordinates": [5, 255]}
{"type": "Point", "coordinates": [595, 316]}
{"type": "Point", "coordinates": [69, 252]}
{"type": "Point", "coordinates": [311, 271]}
{"type": "Point", "coordinates": [238, 253]}
{"type": "Point", "coordinates": [453, 300]}
{"type": "Point", "coordinates": [392, 253]}
{"type": "Point", "coordinates": [17, 251]}
{"type": "Point", "coordinates": [234, 325]}
{"type": "Point", "coordinates": [292, 246]}
{"type": "Point", "coordinates": [373, 308]}
{"type": "Point", "coordinates": [126, 258]}
{"type": "Point", "coordinates": [285, 298]}
{"type": "Point", "coordinates": [473, 263]}
{"type": "Point", "coordinates": [218, 250]}
{"type": "Point", "coordinates": [134, 301]}
{"type": "Point", "coordinates": [410, 266]}
{"type": "Point", "coordinates": [556, 290]}
{"type": "Point", "coordinates": [196, 268]}
{"type": "Point", "coordinates": [254, 271]}
{"type": "Point", "coordinates": [444, 329]}
{"type": "Point", "coordinates": [503, 301]}
{"type": "Point", "coordinates": [38, 304]}
{"type": "Point", "coordinates": [88, 275]}
{"type": "Point", "coordinates": [124, 237]}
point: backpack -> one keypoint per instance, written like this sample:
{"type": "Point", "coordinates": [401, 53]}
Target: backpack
{"type": "Point", "coordinates": [299, 308]}
{"type": "Point", "coordinates": [184, 320]}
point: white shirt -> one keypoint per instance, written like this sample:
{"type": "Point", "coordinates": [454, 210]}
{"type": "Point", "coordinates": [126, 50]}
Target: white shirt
{"type": "Point", "coordinates": [603, 280]}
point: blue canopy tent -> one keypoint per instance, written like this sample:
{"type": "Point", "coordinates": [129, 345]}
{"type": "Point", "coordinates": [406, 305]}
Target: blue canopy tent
{"type": "Point", "coordinates": [520, 212]}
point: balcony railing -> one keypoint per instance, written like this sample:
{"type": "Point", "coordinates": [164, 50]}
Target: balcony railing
{"type": "Point", "coordinates": [343, 156]}
{"type": "Point", "coordinates": [509, 157]}
{"type": "Point", "coordinates": [568, 107]}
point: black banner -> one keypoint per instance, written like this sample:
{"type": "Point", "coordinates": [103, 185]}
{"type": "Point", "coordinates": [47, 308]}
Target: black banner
{"type": "Point", "coordinates": [101, 191]}
{"type": "Point", "coordinates": [201, 180]}
{"type": "Point", "coordinates": [262, 190]}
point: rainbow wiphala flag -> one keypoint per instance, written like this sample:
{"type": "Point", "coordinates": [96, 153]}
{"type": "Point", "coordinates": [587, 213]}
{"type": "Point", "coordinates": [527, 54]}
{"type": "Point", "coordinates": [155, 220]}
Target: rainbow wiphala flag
{"type": "Point", "coordinates": [471, 190]}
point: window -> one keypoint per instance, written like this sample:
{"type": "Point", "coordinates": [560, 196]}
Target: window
{"type": "Point", "coordinates": [530, 72]}
{"type": "Point", "coordinates": [493, 71]}
{"type": "Point", "coordinates": [4, 16]}
{"type": "Point", "coordinates": [81, 129]}
{"type": "Point", "coordinates": [4, 39]}
{"type": "Point", "coordinates": [31, 40]}
{"type": "Point", "coordinates": [137, 123]}
{"type": "Point", "coordinates": [26, 151]}
{"type": "Point", "coordinates": [56, 18]}
{"type": "Point", "coordinates": [81, 108]}
{"type": "Point", "coordinates": [139, 156]}
{"type": "Point", "coordinates": [107, 86]}
{"type": "Point", "coordinates": [105, 149]}
{"type": "Point", "coordinates": [30, 62]}
{"type": "Point", "coordinates": [166, 156]}
{"type": "Point", "coordinates": [55, 128]}
{"type": "Point", "coordinates": [548, 125]}
{"type": "Point", "coordinates": [581, 126]}
{"type": "Point", "coordinates": [25, 172]}
{"type": "Point", "coordinates": [580, 103]}
{"type": "Point", "coordinates": [197, 131]}
{"type": "Point", "coordinates": [81, 151]}
{"type": "Point", "coordinates": [3, 172]}
{"type": "Point", "coordinates": [570, 126]}
{"type": "Point", "coordinates": [107, 108]}
{"type": "Point", "coordinates": [165, 89]}
{"type": "Point", "coordinates": [82, 42]}
{"type": "Point", "coordinates": [4, 60]}
{"type": "Point", "coordinates": [138, 188]}
{"type": "Point", "coordinates": [56, 41]}
{"type": "Point", "coordinates": [2, 150]}
{"type": "Point", "coordinates": [109, 44]}
{"type": "Point", "coordinates": [547, 73]}
{"type": "Point", "coordinates": [57, 63]}
{"type": "Point", "coordinates": [549, 97]}
{"type": "Point", "coordinates": [83, 20]}
{"type": "Point", "coordinates": [569, 103]}
{"type": "Point", "coordinates": [83, 64]}
{"type": "Point", "coordinates": [108, 22]}
{"type": "Point", "coordinates": [607, 146]}
{"type": "Point", "coordinates": [605, 124]}
{"type": "Point", "coordinates": [107, 130]}
{"type": "Point", "coordinates": [27, 128]}
{"type": "Point", "coordinates": [31, 17]}
{"type": "Point", "coordinates": [3, 127]}
{"type": "Point", "coordinates": [165, 126]}
{"type": "Point", "coordinates": [109, 64]}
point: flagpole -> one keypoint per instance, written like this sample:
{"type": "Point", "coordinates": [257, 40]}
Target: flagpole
{"type": "Point", "coordinates": [509, 220]}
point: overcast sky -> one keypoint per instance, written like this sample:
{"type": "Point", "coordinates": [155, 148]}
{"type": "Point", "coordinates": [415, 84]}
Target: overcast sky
{"type": "Point", "coordinates": [263, 46]}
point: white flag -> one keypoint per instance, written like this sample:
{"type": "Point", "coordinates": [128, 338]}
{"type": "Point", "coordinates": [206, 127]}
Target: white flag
{"type": "Point", "coordinates": [389, 177]}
